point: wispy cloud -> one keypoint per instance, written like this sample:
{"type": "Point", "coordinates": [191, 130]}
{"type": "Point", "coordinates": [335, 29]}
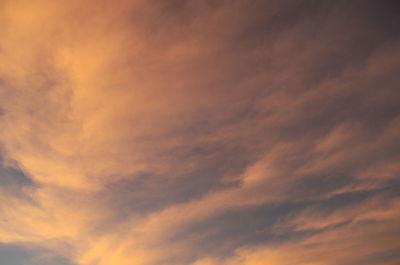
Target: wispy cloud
{"type": "Point", "coordinates": [200, 132]}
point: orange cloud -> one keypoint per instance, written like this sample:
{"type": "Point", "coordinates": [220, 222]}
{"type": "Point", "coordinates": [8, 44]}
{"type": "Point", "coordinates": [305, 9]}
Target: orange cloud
{"type": "Point", "coordinates": [143, 124]}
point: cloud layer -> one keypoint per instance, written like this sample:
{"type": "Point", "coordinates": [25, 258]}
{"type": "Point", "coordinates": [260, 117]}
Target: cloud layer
{"type": "Point", "coordinates": [200, 132]}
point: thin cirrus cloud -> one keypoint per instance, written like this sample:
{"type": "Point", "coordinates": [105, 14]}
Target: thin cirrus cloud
{"type": "Point", "coordinates": [199, 132]}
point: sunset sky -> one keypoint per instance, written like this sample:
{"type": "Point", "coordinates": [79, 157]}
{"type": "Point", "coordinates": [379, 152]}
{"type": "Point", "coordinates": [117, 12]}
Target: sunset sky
{"type": "Point", "coordinates": [199, 132]}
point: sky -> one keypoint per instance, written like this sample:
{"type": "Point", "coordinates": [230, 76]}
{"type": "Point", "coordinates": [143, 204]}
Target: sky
{"type": "Point", "coordinates": [199, 132]}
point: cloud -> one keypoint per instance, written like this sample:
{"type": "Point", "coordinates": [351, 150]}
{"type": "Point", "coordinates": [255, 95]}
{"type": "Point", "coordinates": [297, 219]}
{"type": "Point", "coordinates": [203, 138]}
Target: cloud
{"type": "Point", "coordinates": [360, 234]}
{"type": "Point", "coordinates": [194, 132]}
